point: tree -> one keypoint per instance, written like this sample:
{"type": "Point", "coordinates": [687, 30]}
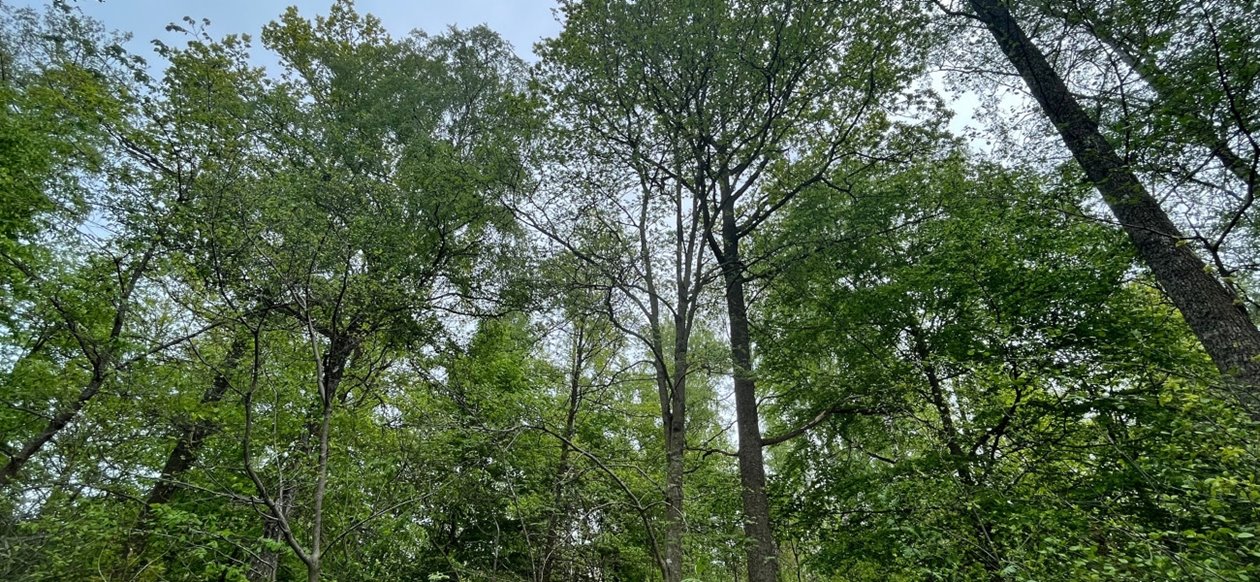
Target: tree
{"type": "Point", "coordinates": [746, 127]}
{"type": "Point", "coordinates": [1006, 388]}
{"type": "Point", "coordinates": [622, 209]}
{"type": "Point", "coordinates": [1212, 311]}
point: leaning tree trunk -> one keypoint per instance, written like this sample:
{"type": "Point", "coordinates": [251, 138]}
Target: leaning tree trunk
{"type": "Point", "coordinates": [986, 551]}
{"type": "Point", "coordinates": [59, 421]}
{"type": "Point", "coordinates": [183, 456]}
{"type": "Point", "coordinates": [1212, 311]}
{"type": "Point", "coordinates": [1199, 128]}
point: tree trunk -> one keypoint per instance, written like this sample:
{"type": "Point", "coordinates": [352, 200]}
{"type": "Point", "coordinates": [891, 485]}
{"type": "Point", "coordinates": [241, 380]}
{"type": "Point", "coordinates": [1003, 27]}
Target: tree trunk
{"type": "Point", "coordinates": [1199, 128]}
{"type": "Point", "coordinates": [54, 426]}
{"type": "Point", "coordinates": [672, 388]}
{"type": "Point", "coordinates": [264, 564]}
{"type": "Point", "coordinates": [551, 540]}
{"type": "Point", "coordinates": [184, 455]}
{"type": "Point", "coordinates": [1212, 312]}
{"type": "Point", "coordinates": [762, 553]}
{"type": "Point", "coordinates": [331, 369]}
{"type": "Point", "coordinates": [675, 448]}
{"type": "Point", "coordinates": [987, 553]}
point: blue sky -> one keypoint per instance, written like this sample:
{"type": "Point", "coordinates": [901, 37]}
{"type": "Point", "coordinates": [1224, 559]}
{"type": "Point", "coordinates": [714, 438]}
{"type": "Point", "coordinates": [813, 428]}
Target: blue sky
{"type": "Point", "coordinates": [522, 22]}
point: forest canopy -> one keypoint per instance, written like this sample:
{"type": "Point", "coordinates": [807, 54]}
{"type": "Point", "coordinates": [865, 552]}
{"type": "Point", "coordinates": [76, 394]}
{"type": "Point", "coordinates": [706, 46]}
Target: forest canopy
{"type": "Point", "coordinates": [709, 290]}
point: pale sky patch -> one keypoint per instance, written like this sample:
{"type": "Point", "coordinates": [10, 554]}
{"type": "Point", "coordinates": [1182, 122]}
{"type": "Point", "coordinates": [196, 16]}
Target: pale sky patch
{"type": "Point", "coordinates": [521, 22]}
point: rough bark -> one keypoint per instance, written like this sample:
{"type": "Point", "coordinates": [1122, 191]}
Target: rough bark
{"type": "Point", "coordinates": [762, 552]}
{"type": "Point", "coordinates": [1212, 311]}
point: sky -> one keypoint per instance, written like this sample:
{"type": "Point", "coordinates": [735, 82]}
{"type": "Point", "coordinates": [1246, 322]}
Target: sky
{"type": "Point", "coordinates": [521, 22]}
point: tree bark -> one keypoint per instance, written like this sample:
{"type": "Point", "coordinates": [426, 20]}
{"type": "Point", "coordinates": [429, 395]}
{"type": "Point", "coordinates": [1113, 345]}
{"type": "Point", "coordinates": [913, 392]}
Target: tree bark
{"type": "Point", "coordinates": [1212, 311]}
{"type": "Point", "coordinates": [675, 448]}
{"type": "Point", "coordinates": [672, 387]}
{"type": "Point", "coordinates": [184, 455]}
{"type": "Point", "coordinates": [762, 554]}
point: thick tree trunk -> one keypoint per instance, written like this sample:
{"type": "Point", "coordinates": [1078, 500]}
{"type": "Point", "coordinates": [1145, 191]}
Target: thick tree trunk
{"type": "Point", "coordinates": [1212, 312]}
{"type": "Point", "coordinates": [762, 554]}
{"type": "Point", "coordinates": [264, 564]}
{"type": "Point", "coordinates": [184, 455]}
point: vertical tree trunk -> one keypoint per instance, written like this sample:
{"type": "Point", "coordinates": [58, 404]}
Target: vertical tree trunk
{"type": "Point", "coordinates": [330, 368]}
{"type": "Point", "coordinates": [1212, 312]}
{"type": "Point", "coordinates": [672, 388]}
{"type": "Point", "coordinates": [559, 513]}
{"type": "Point", "coordinates": [675, 445]}
{"type": "Point", "coordinates": [762, 554]}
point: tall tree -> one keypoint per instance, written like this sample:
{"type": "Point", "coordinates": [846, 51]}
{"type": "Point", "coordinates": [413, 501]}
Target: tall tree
{"type": "Point", "coordinates": [1214, 313]}
{"type": "Point", "coordinates": [746, 126]}
{"type": "Point", "coordinates": [621, 209]}
{"type": "Point", "coordinates": [1005, 388]}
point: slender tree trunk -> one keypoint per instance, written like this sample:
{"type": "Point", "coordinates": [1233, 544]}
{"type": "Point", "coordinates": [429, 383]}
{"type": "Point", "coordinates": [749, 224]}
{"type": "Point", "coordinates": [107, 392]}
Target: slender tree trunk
{"type": "Point", "coordinates": [1212, 312]}
{"type": "Point", "coordinates": [551, 540]}
{"type": "Point", "coordinates": [987, 555]}
{"type": "Point", "coordinates": [672, 388]}
{"type": "Point", "coordinates": [331, 369]}
{"type": "Point", "coordinates": [676, 444]}
{"type": "Point", "coordinates": [762, 554]}
{"type": "Point", "coordinates": [54, 426]}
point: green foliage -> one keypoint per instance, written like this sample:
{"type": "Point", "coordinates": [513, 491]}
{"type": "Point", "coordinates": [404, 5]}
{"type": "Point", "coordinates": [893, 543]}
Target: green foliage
{"type": "Point", "coordinates": [1012, 392]}
{"type": "Point", "coordinates": [972, 380]}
